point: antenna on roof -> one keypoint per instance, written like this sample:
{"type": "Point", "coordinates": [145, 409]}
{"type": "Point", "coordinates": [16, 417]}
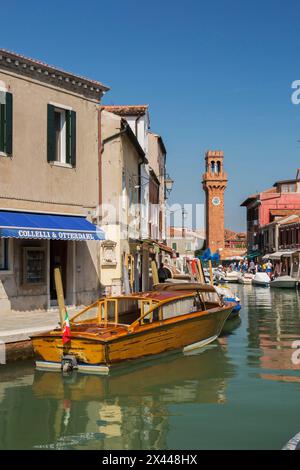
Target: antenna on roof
{"type": "Point", "coordinates": [298, 172]}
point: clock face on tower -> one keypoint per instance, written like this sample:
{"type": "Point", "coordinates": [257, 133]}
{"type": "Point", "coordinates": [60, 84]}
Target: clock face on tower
{"type": "Point", "coordinates": [216, 201]}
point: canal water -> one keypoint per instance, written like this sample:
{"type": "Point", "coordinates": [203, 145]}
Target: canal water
{"type": "Point", "coordinates": [242, 392]}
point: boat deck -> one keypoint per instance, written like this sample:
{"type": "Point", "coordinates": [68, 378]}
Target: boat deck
{"type": "Point", "coordinates": [96, 330]}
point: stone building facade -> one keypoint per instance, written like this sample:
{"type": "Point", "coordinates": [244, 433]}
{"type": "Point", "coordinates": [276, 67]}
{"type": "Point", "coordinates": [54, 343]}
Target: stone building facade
{"type": "Point", "coordinates": [49, 184]}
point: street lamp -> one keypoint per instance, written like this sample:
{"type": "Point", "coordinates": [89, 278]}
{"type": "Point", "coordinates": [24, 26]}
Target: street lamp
{"type": "Point", "coordinates": [184, 214]}
{"type": "Point", "coordinates": [168, 184]}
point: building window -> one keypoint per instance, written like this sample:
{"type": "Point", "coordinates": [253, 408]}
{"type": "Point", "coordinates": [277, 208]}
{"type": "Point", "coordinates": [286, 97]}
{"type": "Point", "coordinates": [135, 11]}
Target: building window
{"type": "Point", "coordinates": [5, 123]}
{"type": "Point", "coordinates": [4, 264]}
{"type": "Point", "coordinates": [288, 188]}
{"type": "Point", "coordinates": [174, 246]}
{"type": "Point", "coordinates": [34, 264]}
{"type": "Point", "coordinates": [60, 135]}
{"type": "Point", "coordinates": [61, 138]}
{"type": "Point", "coordinates": [188, 246]}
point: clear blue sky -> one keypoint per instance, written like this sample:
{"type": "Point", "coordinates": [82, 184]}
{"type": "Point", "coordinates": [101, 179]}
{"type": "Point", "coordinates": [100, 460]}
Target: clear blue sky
{"type": "Point", "coordinates": [217, 75]}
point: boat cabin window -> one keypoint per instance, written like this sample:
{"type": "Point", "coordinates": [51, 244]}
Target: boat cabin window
{"type": "Point", "coordinates": [210, 297]}
{"type": "Point", "coordinates": [128, 310]}
{"type": "Point", "coordinates": [179, 307]}
{"type": "Point", "coordinates": [153, 316]}
{"type": "Point", "coordinates": [196, 303]}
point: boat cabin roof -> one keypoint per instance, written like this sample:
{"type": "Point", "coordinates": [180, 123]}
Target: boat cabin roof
{"type": "Point", "coordinates": [158, 296]}
{"type": "Point", "coordinates": [166, 292]}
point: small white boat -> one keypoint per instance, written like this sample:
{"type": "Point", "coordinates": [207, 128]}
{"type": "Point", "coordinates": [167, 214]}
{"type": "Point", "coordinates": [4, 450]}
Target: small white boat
{"type": "Point", "coordinates": [230, 276]}
{"type": "Point", "coordinates": [246, 278]}
{"type": "Point", "coordinates": [261, 279]}
{"type": "Point", "coordinates": [228, 296]}
{"type": "Point", "coordinates": [285, 282]}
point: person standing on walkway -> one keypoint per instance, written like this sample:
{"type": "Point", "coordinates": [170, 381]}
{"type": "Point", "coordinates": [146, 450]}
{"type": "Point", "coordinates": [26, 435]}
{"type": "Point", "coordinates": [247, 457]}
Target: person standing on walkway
{"type": "Point", "coordinates": [252, 267]}
{"type": "Point", "coordinates": [269, 268]}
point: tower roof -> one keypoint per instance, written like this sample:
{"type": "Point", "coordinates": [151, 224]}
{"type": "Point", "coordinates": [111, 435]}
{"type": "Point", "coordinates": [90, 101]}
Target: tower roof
{"type": "Point", "coordinates": [214, 154]}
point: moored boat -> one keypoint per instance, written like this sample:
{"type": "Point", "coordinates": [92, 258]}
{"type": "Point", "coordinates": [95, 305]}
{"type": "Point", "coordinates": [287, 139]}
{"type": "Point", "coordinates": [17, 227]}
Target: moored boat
{"type": "Point", "coordinates": [229, 297]}
{"type": "Point", "coordinates": [284, 282]}
{"type": "Point", "coordinates": [229, 276]}
{"type": "Point", "coordinates": [246, 278]}
{"type": "Point", "coordinates": [122, 328]}
{"type": "Point", "coordinates": [261, 279]}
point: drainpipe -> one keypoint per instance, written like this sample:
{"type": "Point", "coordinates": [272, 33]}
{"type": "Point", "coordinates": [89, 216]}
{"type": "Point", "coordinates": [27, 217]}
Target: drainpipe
{"type": "Point", "coordinates": [99, 211]}
{"type": "Point", "coordinates": [100, 150]}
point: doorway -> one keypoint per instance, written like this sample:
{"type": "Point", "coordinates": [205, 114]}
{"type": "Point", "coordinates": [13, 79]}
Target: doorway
{"type": "Point", "coordinates": [58, 259]}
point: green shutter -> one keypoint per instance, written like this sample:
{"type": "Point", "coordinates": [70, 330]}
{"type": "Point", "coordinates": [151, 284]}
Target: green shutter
{"type": "Point", "coordinates": [68, 136]}
{"type": "Point", "coordinates": [2, 126]}
{"type": "Point", "coordinates": [8, 123]}
{"type": "Point", "coordinates": [71, 137]}
{"type": "Point", "coordinates": [50, 134]}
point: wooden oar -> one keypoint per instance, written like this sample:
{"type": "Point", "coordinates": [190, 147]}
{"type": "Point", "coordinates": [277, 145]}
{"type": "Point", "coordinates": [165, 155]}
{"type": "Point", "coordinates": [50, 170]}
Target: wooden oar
{"type": "Point", "coordinates": [200, 270]}
{"type": "Point", "coordinates": [60, 295]}
{"type": "Point", "coordinates": [155, 278]}
{"type": "Point", "coordinates": [211, 272]}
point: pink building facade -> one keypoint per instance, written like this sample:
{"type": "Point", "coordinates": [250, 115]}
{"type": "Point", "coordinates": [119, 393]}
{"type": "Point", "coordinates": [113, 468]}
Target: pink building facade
{"type": "Point", "coordinates": [268, 206]}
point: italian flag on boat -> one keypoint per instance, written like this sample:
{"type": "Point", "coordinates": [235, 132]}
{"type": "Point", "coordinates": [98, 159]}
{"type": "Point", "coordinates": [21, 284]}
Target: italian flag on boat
{"type": "Point", "coordinates": [66, 337]}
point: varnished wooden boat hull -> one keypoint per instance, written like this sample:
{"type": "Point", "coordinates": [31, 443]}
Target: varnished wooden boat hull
{"type": "Point", "coordinates": [147, 340]}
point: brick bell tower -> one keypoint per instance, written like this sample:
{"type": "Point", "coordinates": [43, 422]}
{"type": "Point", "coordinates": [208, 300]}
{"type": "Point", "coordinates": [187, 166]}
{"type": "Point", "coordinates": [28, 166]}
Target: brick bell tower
{"type": "Point", "coordinates": [214, 184]}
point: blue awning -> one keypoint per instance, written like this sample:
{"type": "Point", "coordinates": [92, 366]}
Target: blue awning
{"type": "Point", "coordinates": [47, 227]}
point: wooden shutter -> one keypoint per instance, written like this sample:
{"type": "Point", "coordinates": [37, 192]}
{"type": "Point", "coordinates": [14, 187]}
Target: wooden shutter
{"type": "Point", "coordinates": [71, 137]}
{"type": "Point", "coordinates": [50, 134]}
{"type": "Point", "coordinates": [8, 123]}
{"type": "Point", "coordinates": [2, 127]}
{"type": "Point", "coordinates": [68, 137]}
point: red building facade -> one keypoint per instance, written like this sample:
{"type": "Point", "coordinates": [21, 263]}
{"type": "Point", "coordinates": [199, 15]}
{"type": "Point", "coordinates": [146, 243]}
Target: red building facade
{"type": "Point", "coordinates": [267, 206]}
{"type": "Point", "coordinates": [289, 234]}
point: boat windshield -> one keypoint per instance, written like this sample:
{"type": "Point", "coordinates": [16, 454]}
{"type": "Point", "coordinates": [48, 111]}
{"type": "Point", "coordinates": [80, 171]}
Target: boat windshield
{"type": "Point", "coordinates": [132, 310]}
{"type": "Point", "coordinates": [119, 310]}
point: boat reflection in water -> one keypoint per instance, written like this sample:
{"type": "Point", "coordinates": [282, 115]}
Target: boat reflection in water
{"type": "Point", "coordinates": [274, 324]}
{"type": "Point", "coordinates": [130, 408]}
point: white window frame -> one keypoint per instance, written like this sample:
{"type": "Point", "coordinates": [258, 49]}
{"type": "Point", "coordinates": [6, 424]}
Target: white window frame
{"type": "Point", "coordinates": [9, 269]}
{"type": "Point", "coordinates": [188, 246]}
{"type": "Point", "coordinates": [63, 140]}
{"type": "Point", "coordinates": [3, 90]}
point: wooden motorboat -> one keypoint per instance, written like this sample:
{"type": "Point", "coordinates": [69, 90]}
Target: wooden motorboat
{"type": "Point", "coordinates": [285, 282]}
{"type": "Point", "coordinates": [126, 327]}
{"type": "Point", "coordinates": [261, 279]}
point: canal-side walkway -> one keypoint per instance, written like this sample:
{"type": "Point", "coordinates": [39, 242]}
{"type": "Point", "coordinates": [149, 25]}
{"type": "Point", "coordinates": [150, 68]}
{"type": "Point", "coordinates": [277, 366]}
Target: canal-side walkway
{"type": "Point", "coordinates": [19, 326]}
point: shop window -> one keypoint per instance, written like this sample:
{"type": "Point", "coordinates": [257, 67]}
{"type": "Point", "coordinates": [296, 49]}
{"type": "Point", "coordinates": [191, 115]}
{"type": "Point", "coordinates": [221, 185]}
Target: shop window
{"type": "Point", "coordinates": [4, 254]}
{"type": "Point", "coordinates": [34, 264]}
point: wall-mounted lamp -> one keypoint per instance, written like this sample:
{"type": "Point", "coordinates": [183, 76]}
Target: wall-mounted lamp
{"type": "Point", "coordinates": [168, 184]}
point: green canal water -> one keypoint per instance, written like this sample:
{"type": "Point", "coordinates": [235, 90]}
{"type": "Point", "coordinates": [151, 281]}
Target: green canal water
{"type": "Point", "coordinates": [242, 392]}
